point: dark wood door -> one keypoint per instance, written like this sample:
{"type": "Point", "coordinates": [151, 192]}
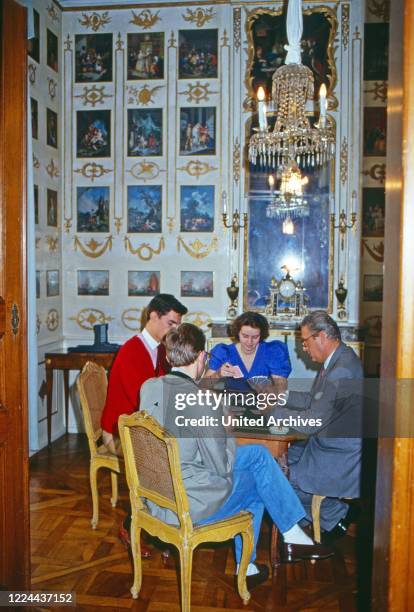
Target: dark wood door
{"type": "Point", "coordinates": [14, 499]}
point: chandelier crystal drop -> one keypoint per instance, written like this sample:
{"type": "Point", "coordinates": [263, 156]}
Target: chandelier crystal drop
{"type": "Point", "coordinates": [288, 202]}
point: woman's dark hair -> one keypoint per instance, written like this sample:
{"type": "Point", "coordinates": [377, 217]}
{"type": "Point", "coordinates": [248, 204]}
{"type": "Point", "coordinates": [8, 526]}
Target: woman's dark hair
{"type": "Point", "coordinates": [163, 303]}
{"type": "Point", "coordinates": [184, 344]}
{"type": "Point", "coordinates": [252, 319]}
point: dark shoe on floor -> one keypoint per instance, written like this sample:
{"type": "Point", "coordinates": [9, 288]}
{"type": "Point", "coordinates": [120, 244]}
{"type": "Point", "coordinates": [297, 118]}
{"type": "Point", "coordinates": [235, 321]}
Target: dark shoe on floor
{"type": "Point", "coordinates": [125, 539]}
{"type": "Point", "coordinates": [253, 581]}
{"type": "Point", "coordinates": [340, 529]}
{"type": "Point", "coordinates": [292, 553]}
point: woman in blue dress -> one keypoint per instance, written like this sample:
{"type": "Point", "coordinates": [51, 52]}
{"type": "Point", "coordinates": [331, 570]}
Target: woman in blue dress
{"type": "Point", "coordinates": [249, 355]}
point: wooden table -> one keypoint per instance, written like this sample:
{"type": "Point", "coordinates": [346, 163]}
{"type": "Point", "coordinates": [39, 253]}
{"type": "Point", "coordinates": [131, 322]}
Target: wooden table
{"type": "Point", "coordinates": [62, 360]}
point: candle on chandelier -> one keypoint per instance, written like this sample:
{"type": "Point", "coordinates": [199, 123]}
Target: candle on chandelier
{"type": "Point", "coordinates": [322, 105]}
{"type": "Point", "coordinates": [224, 199]}
{"type": "Point", "coordinates": [261, 108]}
{"type": "Point", "coordinates": [271, 180]}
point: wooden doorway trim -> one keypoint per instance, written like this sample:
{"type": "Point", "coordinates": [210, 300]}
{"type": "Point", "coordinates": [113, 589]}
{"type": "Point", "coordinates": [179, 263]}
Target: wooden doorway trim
{"type": "Point", "coordinates": [393, 571]}
{"type": "Point", "coordinates": [14, 480]}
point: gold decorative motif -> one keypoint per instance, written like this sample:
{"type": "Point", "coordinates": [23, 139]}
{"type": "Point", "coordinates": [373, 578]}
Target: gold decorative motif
{"type": "Point", "coordinates": [377, 251]}
{"type": "Point", "coordinates": [345, 26]}
{"type": "Point", "coordinates": [379, 90]}
{"type": "Point", "coordinates": [172, 41]}
{"type": "Point", "coordinates": [357, 34]}
{"type": "Point", "coordinates": [52, 170]}
{"type": "Point", "coordinates": [88, 317]}
{"type": "Point", "coordinates": [197, 168]}
{"type": "Point", "coordinates": [145, 19]}
{"type": "Point", "coordinates": [380, 9]}
{"type": "Point", "coordinates": [36, 162]}
{"type": "Point", "coordinates": [131, 318]}
{"type": "Point", "coordinates": [38, 241]}
{"type": "Point", "coordinates": [38, 324]}
{"type": "Point", "coordinates": [52, 84]}
{"type": "Point", "coordinates": [119, 45]}
{"type": "Point", "coordinates": [68, 225]}
{"type": "Point", "coordinates": [225, 39]}
{"type": "Point", "coordinates": [92, 170]}
{"type": "Point", "coordinates": [142, 95]}
{"type": "Point", "coordinates": [237, 28]}
{"type": "Point", "coordinates": [52, 243]}
{"type": "Point", "coordinates": [236, 161]}
{"type": "Point", "coordinates": [52, 319]}
{"type": "Point", "coordinates": [343, 163]}
{"type": "Point", "coordinates": [93, 248]}
{"type": "Point", "coordinates": [145, 170]}
{"type": "Point", "coordinates": [52, 12]}
{"type": "Point", "coordinates": [118, 224]}
{"type": "Point", "coordinates": [94, 95]}
{"type": "Point", "coordinates": [376, 172]}
{"type": "Point", "coordinates": [32, 73]}
{"type": "Point", "coordinates": [198, 92]}
{"type": "Point", "coordinates": [200, 319]}
{"type": "Point", "coordinates": [68, 43]}
{"type": "Point", "coordinates": [94, 20]}
{"type": "Point", "coordinates": [199, 16]}
{"type": "Point", "coordinates": [197, 249]}
{"type": "Point", "coordinates": [145, 251]}
{"type": "Point", "coordinates": [170, 224]}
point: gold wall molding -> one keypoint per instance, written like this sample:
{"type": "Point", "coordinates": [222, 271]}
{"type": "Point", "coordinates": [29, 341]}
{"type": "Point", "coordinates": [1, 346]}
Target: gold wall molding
{"type": "Point", "coordinates": [200, 319]}
{"type": "Point", "coordinates": [52, 243]}
{"type": "Point", "coordinates": [119, 45]}
{"type": "Point", "coordinates": [67, 225]}
{"type": "Point", "coordinates": [52, 319]}
{"type": "Point", "coordinates": [52, 169]}
{"type": "Point", "coordinates": [88, 317]}
{"type": "Point", "coordinates": [357, 34]}
{"type": "Point", "coordinates": [237, 29]}
{"type": "Point", "coordinates": [379, 90]}
{"type": "Point", "coordinates": [32, 73]}
{"type": "Point", "coordinates": [199, 16]}
{"type": "Point", "coordinates": [93, 248]}
{"type": "Point", "coordinates": [172, 41]}
{"type": "Point", "coordinates": [345, 25]}
{"type": "Point", "coordinates": [197, 168]}
{"type": "Point", "coordinates": [94, 20]}
{"type": "Point", "coordinates": [236, 160]}
{"type": "Point", "coordinates": [93, 95]}
{"type": "Point", "coordinates": [379, 8]}
{"type": "Point", "coordinates": [51, 87]}
{"type": "Point", "coordinates": [144, 251]}
{"type": "Point", "coordinates": [376, 252]}
{"type": "Point", "coordinates": [92, 171]}
{"type": "Point", "coordinates": [343, 161]}
{"type": "Point", "coordinates": [377, 172]}
{"type": "Point", "coordinates": [198, 92]}
{"type": "Point", "coordinates": [68, 43]}
{"type": "Point", "coordinates": [143, 95]}
{"type": "Point", "coordinates": [38, 241]}
{"type": "Point", "coordinates": [145, 19]}
{"type": "Point", "coordinates": [197, 249]}
{"type": "Point", "coordinates": [52, 12]}
{"type": "Point", "coordinates": [131, 319]}
{"type": "Point", "coordinates": [145, 170]}
{"type": "Point", "coordinates": [224, 39]}
{"type": "Point", "coordinates": [36, 162]}
{"type": "Point", "coordinates": [170, 223]}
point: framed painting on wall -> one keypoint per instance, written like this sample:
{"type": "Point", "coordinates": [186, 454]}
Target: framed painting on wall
{"type": "Point", "coordinates": [143, 283]}
{"type": "Point", "coordinates": [373, 211]}
{"type": "Point", "coordinates": [196, 284]}
{"type": "Point", "coordinates": [37, 284]}
{"type": "Point", "coordinates": [51, 128]}
{"type": "Point", "coordinates": [197, 208]}
{"type": "Point", "coordinates": [93, 133]}
{"type": "Point", "coordinates": [52, 283]}
{"type": "Point", "coordinates": [144, 208]}
{"type": "Point", "coordinates": [93, 58]}
{"type": "Point", "coordinates": [36, 203]}
{"type": "Point", "coordinates": [376, 51]}
{"type": "Point", "coordinates": [93, 282]}
{"type": "Point", "coordinates": [373, 287]}
{"type": "Point", "coordinates": [375, 131]}
{"type": "Point", "coordinates": [52, 207]}
{"type": "Point", "coordinates": [52, 50]}
{"type": "Point", "coordinates": [144, 132]}
{"type": "Point", "coordinates": [197, 54]}
{"type": "Point", "coordinates": [146, 56]}
{"type": "Point", "coordinates": [198, 131]}
{"type": "Point", "coordinates": [93, 209]}
{"type": "Point", "coordinates": [33, 44]}
{"type": "Point", "coordinates": [35, 117]}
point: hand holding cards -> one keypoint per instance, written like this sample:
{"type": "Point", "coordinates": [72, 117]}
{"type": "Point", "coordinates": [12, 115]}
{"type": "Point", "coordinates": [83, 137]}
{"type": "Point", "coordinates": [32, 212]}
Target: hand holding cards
{"type": "Point", "coordinates": [229, 370]}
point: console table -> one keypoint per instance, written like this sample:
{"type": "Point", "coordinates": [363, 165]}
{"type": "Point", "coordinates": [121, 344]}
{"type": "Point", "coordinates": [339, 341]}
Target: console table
{"type": "Point", "coordinates": [62, 360]}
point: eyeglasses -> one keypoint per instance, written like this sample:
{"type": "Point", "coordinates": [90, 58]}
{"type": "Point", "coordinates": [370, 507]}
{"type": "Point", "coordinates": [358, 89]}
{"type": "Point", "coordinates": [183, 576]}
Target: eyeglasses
{"type": "Point", "coordinates": [305, 340]}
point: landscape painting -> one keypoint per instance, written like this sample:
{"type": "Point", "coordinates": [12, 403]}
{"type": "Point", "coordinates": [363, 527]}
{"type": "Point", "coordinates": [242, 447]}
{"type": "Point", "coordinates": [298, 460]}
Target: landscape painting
{"type": "Point", "coordinates": [144, 208]}
{"type": "Point", "coordinates": [196, 284]}
{"type": "Point", "coordinates": [93, 282]}
{"type": "Point", "coordinates": [197, 208]}
{"type": "Point", "coordinates": [93, 209]}
{"type": "Point", "coordinates": [52, 283]}
{"type": "Point", "coordinates": [144, 132]}
{"type": "Point", "coordinates": [143, 283]}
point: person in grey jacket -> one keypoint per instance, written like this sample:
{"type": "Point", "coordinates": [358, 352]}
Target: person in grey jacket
{"type": "Point", "coordinates": [220, 478]}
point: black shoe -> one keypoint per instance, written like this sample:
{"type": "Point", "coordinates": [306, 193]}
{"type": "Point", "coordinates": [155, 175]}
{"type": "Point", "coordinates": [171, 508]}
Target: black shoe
{"type": "Point", "coordinates": [292, 553]}
{"type": "Point", "coordinates": [340, 529]}
{"type": "Point", "coordinates": [254, 581]}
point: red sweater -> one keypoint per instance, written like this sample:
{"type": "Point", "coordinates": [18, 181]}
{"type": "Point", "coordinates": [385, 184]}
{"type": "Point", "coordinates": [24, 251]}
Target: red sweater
{"type": "Point", "coordinates": [131, 368]}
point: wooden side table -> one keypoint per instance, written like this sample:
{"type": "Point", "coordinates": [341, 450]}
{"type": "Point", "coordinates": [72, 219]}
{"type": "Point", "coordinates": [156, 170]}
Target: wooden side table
{"type": "Point", "coordinates": [68, 361]}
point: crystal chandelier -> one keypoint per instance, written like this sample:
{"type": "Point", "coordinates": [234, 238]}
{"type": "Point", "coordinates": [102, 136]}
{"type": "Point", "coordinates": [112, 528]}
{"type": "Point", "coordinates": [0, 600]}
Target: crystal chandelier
{"type": "Point", "coordinates": [289, 201]}
{"type": "Point", "coordinates": [293, 137]}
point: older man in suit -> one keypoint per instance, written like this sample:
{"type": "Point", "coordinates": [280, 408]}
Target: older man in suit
{"type": "Point", "coordinates": [328, 463]}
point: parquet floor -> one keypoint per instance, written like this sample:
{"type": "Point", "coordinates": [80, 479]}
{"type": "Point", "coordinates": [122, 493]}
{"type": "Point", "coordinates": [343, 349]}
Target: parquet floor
{"type": "Point", "coordinates": [68, 555]}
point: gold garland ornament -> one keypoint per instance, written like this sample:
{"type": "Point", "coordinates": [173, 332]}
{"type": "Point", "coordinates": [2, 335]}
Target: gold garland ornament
{"type": "Point", "coordinates": [96, 249]}
{"type": "Point", "coordinates": [145, 251]}
{"type": "Point", "coordinates": [88, 317]}
{"type": "Point", "coordinates": [197, 249]}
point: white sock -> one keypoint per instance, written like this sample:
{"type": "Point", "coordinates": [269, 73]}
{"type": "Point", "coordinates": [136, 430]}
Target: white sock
{"type": "Point", "coordinates": [251, 569]}
{"type": "Point", "coordinates": [296, 535]}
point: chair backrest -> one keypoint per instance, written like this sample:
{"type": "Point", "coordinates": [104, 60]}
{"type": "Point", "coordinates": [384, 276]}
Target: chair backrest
{"type": "Point", "coordinates": [92, 386]}
{"type": "Point", "coordinates": [152, 464]}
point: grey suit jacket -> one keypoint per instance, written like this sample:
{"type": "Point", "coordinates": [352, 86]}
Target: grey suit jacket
{"type": "Point", "coordinates": [330, 462]}
{"type": "Point", "coordinates": [206, 453]}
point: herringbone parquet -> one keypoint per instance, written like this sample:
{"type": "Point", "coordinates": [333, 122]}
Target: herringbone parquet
{"type": "Point", "coordinates": [68, 555]}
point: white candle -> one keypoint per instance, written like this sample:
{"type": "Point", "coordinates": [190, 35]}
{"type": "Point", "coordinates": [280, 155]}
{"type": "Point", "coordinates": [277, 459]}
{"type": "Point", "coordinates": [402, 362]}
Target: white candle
{"type": "Point", "coordinates": [261, 108]}
{"type": "Point", "coordinates": [322, 105]}
{"type": "Point", "coordinates": [224, 198]}
{"type": "Point", "coordinates": [271, 180]}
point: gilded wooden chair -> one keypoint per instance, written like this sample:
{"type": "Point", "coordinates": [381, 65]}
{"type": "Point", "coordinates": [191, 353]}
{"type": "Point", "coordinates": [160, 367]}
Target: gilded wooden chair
{"type": "Point", "coordinates": [92, 385]}
{"type": "Point", "coordinates": [153, 473]}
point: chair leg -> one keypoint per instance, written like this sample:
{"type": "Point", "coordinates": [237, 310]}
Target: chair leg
{"type": "Point", "coordinates": [136, 558]}
{"type": "Point", "coordinates": [93, 472]}
{"type": "Point", "coordinates": [247, 548]}
{"type": "Point", "coordinates": [186, 568]}
{"type": "Point", "coordinates": [274, 557]}
{"type": "Point", "coordinates": [316, 516]}
{"type": "Point", "coordinates": [114, 483]}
